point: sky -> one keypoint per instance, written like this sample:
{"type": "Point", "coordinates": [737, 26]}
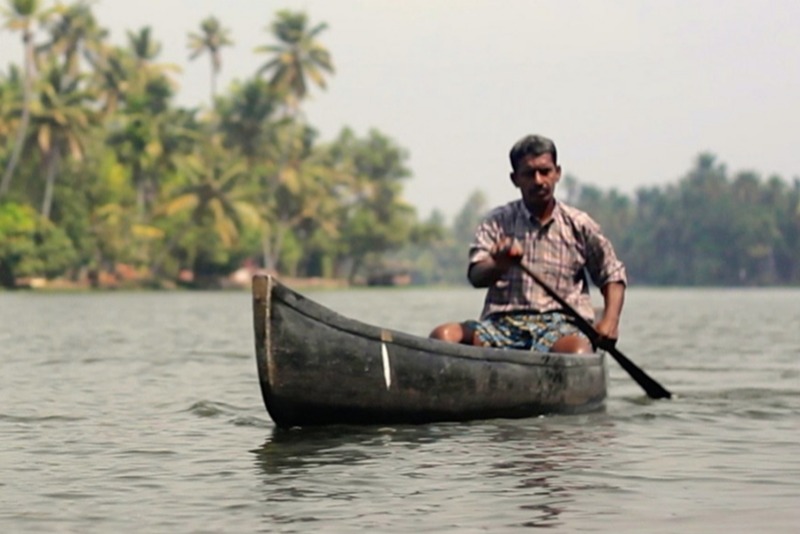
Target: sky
{"type": "Point", "coordinates": [631, 91]}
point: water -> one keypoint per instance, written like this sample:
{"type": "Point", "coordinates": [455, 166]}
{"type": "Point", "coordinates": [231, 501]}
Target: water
{"type": "Point", "coordinates": [141, 412]}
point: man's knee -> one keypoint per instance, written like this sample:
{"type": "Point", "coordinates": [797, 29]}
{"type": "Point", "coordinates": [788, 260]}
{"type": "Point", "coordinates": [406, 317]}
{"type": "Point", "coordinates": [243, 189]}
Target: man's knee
{"type": "Point", "coordinates": [572, 344]}
{"type": "Point", "coordinates": [452, 332]}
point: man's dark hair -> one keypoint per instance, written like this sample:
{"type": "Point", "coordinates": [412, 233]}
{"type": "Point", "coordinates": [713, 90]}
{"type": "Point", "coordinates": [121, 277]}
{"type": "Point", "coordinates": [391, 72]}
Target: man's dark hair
{"type": "Point", "coordinates": [532, 145]}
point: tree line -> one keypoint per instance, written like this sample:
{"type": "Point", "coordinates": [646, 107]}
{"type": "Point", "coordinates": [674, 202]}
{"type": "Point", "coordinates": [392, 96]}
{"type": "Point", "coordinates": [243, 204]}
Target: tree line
{"type": "Point", "coordinates": [710, 228]}
{"type": "Point", "coordinates": [102, 172]}
{"type": "Point", "coordinates": [101, 168]}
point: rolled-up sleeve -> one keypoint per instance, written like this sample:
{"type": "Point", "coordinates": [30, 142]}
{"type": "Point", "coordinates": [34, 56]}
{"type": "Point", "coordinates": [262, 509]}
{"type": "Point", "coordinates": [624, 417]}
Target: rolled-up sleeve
{"type": "Point", "coordinates": [602, 262]}
{"type": "Point", "coordinates": [488, 233]}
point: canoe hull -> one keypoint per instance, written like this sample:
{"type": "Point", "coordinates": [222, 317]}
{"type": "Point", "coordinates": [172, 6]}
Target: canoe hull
{"type": "Point", "coordinates": [317, 367]}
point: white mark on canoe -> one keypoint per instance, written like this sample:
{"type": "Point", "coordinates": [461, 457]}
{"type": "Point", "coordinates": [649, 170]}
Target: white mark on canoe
{"type": "Point", "coordinates": [387, 370]}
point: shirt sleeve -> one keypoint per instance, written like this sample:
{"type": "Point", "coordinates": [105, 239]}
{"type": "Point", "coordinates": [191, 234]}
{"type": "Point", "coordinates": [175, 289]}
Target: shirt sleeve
{"type": "Point", "coordinates": [602, 263]}
{"type": "Point", "coordinates": [486, 235]}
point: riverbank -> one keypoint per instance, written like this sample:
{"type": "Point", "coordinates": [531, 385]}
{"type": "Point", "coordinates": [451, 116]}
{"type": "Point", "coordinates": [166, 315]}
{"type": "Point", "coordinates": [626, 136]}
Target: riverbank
{"type": "Point", "coordinates": [128, 279]}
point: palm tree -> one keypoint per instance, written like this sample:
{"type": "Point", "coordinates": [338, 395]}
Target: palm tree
{"type": "Point", "coordinates": [61, 122]}
{"type": "Point", "coordinates": [245, 118]}
{"type": "Point", "coordinates": [22, 15]}
{"type": "Point", "coordinates": [211, 39]}
{"type": "Point", "coordinates": [148, 142]}
{"type": "Point", "coordinates": [216, 200]}
{"type": "Point", "coordinates": [147, 128]}
{"type": "Point", "coordinates": [301, 194]}
{"type": "Point", "coordinates": [297, 57]}
{"type": "Point", "coordinates": [113, 70]}
{"type": "Point", "coordinates": [145, 49]}
{"type": "Point", "coordinates": [75, 33]}
{"type": "Point", "coordinates": [215, 194]}
{"type": "Point", "coordinates": [10, 102]}
{"type": "Point", "coordinates": [377, 219]}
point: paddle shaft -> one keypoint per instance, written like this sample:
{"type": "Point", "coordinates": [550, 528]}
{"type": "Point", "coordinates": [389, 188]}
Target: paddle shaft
{"type": "Point", "coordinates": [653, 389]}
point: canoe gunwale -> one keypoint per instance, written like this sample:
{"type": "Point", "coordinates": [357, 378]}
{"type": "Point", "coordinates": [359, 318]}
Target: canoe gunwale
{"type": "Point", "coordinates": [314, 311]}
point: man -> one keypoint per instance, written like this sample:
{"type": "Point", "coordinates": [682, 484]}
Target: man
{"type": "Point", "coordinates": [561, 244]}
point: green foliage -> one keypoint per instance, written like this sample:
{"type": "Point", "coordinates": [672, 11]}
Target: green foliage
{"type": "Point", "coordinates": [291, 256]}
{"type": "Point", "coordinates": [708, 229]}
{"type": "Point", "coordinates": [91, 128]}
{"type": "Point", "coordinates": [246, 115]}
{"type": "Point", "coordinates": [445, 262]}
{"type": "Point", "coordinates": [376, 220]}
{"type": "Point", "coordinates": [211, 39]}
{"type": "Point", "coordinates": [437, 257]}
{"type": "Point", "coordinates": [297, 57]}
{"type": "Point", "coordinates": [31, 246]}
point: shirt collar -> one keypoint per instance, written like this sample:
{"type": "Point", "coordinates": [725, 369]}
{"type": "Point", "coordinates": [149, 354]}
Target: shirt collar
{"type": "Point", "coordinates": [534, 221]}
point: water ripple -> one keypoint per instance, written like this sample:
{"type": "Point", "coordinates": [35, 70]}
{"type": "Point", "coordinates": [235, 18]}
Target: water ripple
{"type": "Point", "coordinates": [39, 419]}
{"type": "Point", "coordinates": [206, 408]}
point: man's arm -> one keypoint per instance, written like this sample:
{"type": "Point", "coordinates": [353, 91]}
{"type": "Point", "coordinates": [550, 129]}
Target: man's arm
{"type": "Point", "coordinates": [614, 298]}
{"type": "Point", "coordinates": [486, 272]}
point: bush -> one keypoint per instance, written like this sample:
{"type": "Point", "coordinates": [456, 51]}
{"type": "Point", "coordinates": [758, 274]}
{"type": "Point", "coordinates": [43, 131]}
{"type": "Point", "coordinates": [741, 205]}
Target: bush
{"type": "Point", "coordinates": [30, 245]}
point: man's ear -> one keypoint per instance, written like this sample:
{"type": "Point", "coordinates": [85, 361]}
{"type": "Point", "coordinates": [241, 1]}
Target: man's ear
{"type": "Point", "coordinates": [513, 176]}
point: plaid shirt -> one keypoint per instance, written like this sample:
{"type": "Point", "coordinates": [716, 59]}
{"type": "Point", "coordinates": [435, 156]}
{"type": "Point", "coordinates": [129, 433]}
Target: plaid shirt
{"type": "Point", "coordinates": [561, 251]}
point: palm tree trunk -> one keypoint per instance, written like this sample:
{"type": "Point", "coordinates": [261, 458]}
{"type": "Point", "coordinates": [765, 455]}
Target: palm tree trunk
{"type": "Point", "coordinates": [22, 132]}
{"type": "Point", "coordinates": [272, 246]}
{"type": "Point", "coordinates": [213, 86]}
{"type": "Point", "coordinates": [354, 268]}
{"type": "Point", "coordinates": [53, 159]}
{"type": "Point", "coordinates": [266, 252]}
{"type": "Point", "coordinates": [139, 181]}
{"type": "Point", "coordinates": [7, 278]}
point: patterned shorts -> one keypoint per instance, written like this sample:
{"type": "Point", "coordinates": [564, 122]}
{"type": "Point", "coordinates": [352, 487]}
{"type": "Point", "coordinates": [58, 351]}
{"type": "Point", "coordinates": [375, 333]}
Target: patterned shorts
{"type": "Point", "coordinates": [524, 330]}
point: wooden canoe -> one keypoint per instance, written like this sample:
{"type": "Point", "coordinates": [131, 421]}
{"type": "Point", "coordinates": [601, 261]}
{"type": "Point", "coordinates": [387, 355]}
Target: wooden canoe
{"type": "Point", "coordinates": [317, 367]}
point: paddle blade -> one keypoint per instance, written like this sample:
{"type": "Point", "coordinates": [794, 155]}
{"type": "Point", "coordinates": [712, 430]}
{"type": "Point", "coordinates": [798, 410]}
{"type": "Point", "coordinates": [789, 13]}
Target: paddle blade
{"type": "Point", "coordinates": [653, 389]}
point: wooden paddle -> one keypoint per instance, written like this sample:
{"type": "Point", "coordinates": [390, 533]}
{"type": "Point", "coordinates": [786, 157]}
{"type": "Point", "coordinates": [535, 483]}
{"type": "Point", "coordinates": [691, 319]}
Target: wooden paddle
{"type": "Point", "coordinates": [653, 389]}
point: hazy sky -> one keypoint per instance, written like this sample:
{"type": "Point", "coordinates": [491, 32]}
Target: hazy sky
{"type": "Point", "coordinates": [630, 90]}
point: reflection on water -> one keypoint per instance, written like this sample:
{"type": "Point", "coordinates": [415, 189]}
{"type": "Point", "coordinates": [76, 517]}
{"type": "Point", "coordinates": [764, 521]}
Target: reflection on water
{"type": "Point", "coordinates": [302, 448]}
{"type": "Point", "coordinates": [516, 461]}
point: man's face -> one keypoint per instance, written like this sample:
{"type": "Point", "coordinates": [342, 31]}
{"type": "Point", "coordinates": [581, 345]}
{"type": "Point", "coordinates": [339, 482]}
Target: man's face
{"type": "Point", "coordinates": [536, 177]}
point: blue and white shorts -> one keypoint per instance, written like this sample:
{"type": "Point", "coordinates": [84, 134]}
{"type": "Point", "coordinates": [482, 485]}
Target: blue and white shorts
{"type": "Point", "coordinates": [524, 330]}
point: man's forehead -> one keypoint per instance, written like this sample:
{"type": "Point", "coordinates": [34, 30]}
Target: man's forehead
{"type": "Point", "coordinates": [537, 161]}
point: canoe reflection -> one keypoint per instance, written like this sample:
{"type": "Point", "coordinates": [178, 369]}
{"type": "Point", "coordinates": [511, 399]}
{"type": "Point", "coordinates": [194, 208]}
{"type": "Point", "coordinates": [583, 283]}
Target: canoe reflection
{"type": "Point", "coordinates": [543, 468]}
{"type": "Point", "coordinates": [451, 472]}
{"type": "Point", "coordinates": [307, 447]}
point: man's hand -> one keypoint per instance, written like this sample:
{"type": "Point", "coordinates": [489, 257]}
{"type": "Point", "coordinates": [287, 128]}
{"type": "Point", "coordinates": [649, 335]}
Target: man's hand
{"type": "Point", "coordinates": [607, 332]}
{"type": "Point", "coordinates": [503, 255]}
{"type": "Point", "coordinates": [506, 253]}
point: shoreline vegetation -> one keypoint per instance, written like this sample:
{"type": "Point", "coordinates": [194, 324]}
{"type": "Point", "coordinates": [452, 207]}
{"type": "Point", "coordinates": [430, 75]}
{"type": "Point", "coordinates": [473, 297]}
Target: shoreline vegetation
{"type": "Point", "coordinates": [128, 280]}
{"type": "Point", "coordinates": [106, 182]}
